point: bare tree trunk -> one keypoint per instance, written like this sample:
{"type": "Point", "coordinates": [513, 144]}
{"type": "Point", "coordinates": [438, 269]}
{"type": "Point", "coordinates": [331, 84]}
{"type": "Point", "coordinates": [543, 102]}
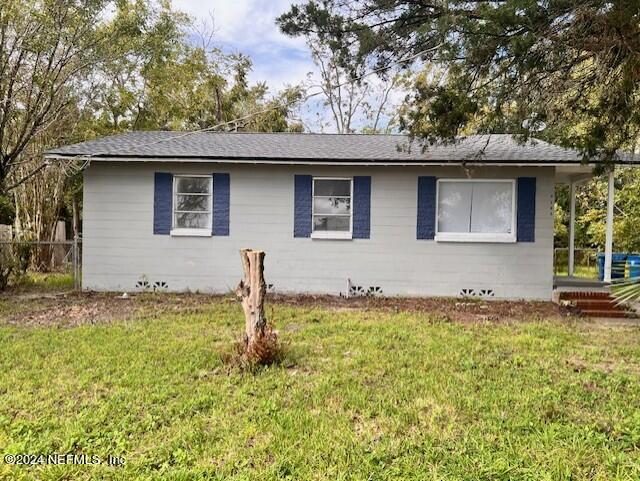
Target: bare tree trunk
{"type": "Point", "coordinates": [251, 290]}
{"type": "Point", "coordinates": [218, 105]}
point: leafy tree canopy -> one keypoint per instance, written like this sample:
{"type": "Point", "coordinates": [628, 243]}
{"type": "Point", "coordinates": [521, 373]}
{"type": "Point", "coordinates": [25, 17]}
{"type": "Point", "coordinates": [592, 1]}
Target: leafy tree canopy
{"type": "Point", "coordinates": [73, 70]}
{"type": "Point", "coordinates": [161, 80]}
{"type": "Point", "coordinates": [105, 66]}
{"type": "Point", "coordinates": [496, 66]}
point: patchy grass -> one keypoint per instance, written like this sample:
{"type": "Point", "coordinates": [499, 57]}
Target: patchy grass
{"type": "Point", "coordinates": [365, 392]}
{"type": "Point", "coordinates": [587, 272]}
{"type": "Point", "coordinates": [54, 281]}
{"type": "Point", "coordinates": [38, 282]}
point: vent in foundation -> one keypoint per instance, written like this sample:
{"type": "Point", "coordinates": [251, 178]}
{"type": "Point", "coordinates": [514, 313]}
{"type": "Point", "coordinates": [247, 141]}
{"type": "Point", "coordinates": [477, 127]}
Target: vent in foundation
{"type": "Point", "coordinates": [143, 284]}
{"type": "Point", "coordinates": [361, 291]}
{"type": "Point", "coordinates": [467, 292]}
{"type": "Point", "coordinates": [160, 286]}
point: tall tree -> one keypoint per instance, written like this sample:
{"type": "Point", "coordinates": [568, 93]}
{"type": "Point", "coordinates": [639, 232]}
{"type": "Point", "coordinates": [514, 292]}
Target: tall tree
{"type": "Point", "coordinates": [45, 49]}
{"type": "Point", "coordinates": [592, 211]}
{"type": "Point", "coordinates": [514, 64]}
{"type": "Point", "coordinates": [142, 73]}
{"type": "Point", "coordinates": [160, 80]}
{"type": "Point", "coordinates": [354, 101]}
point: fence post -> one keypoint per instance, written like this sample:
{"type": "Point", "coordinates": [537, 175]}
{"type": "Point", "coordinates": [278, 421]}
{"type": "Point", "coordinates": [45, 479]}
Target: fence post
{"type": "Point", "coordinates": [75, 259]}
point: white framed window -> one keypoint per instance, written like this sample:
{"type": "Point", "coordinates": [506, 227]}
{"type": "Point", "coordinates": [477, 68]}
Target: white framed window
{"type": "Point", "coordinates": [476, 210]}
{"type": "Point", "coordinates": [332, 213]}
{"type": "Point", "coordinates": [192, 205]}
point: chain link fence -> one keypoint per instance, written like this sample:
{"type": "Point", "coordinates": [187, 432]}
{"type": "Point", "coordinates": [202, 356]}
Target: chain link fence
{"type": "Point", "coordinates": [34, 258]}
{"type": "Point", "coordinates": [585, 262]}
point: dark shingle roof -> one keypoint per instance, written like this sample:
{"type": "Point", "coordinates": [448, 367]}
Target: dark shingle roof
{"type": "Point", "coordinates": [292, 147]}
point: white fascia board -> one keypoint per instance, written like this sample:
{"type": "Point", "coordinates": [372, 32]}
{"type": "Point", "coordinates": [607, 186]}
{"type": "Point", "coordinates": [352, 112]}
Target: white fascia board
{"type": "Point", "coordinates": [380, 163]}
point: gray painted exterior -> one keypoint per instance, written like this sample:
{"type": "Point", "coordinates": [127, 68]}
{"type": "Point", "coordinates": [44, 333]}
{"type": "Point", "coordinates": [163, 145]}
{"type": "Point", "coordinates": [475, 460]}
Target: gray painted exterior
{"type": "Point", "coordinates": [119, 247]}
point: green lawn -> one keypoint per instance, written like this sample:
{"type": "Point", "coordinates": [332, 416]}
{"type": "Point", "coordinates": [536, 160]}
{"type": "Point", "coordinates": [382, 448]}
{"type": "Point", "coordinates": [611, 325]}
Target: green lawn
{"type": "Point", "coordinates": [588, 272]}
{"type": "Point", "coordinates": [362, 395]}
{"type": "Point", "coordinates": [44, 282]}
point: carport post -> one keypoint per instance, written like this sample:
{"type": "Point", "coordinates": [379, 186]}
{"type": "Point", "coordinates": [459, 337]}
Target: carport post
{"type": "Point", "coordinates": [608, 245]}
{"type": "Point", "coordinates": [572, 227]}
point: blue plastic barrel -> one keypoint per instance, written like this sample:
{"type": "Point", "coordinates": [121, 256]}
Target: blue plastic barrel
{"type": "Point", "coordinates": [633, 266]}
{"type": "Point", "coordinates": [618, 264]}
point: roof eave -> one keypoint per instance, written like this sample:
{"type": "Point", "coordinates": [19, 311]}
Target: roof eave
{"type": "Point", "coordinates": [308, 161]}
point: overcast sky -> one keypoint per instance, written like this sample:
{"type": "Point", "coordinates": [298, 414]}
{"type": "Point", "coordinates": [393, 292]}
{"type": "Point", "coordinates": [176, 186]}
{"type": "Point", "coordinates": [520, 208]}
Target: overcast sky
{"type": "Point", "coordinates": [248, 26]}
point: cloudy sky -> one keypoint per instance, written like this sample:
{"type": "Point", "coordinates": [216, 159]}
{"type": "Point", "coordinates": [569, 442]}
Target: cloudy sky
{"type": "Point", "coordinates": [248, 26]}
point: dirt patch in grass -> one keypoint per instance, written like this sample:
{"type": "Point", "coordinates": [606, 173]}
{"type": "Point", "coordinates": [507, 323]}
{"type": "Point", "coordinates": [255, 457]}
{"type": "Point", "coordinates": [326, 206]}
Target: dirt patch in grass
{"type": "Point", "coordinates": [448, 309]}
{"type": "Point", "coordinates": [63, 310]}
{"type": "Point", "coordinates": [74, 309]}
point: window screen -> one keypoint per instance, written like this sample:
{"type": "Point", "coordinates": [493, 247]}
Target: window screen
{"type": "Point", "coordinates": [475, 207]}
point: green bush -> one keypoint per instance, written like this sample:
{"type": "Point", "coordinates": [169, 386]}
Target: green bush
{"type": "Point", "coordinates": [14, 261]}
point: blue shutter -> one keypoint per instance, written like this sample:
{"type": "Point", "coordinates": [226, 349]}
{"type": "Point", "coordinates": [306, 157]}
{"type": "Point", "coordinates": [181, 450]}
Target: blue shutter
{"type": "Point", "coordinates": [426, 207]}
{"type": "Point", "coordinates": [302, 199]}
{"type": "Point", "coordinates": [221, 193]}
{"type": "Point", "coordinates": [361, 207]}
{"type": "Point", "coordinates": [162, 203]}
{"type": "Point", "coordinates": [526, 209]}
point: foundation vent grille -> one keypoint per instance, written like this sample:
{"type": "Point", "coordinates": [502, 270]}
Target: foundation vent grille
{"type": "Point", "coordinates": [468, 292]}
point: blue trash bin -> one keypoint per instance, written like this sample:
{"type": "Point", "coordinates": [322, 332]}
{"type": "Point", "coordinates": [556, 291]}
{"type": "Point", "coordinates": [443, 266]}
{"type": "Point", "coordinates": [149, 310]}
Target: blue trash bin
{"type": "Point", "coordinates": [618, 264]}
{"type": "Point", "coordinates": [633, 266]}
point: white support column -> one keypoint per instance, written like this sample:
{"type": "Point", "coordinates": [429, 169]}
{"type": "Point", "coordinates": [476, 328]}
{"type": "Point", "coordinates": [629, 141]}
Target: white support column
{"type": "Point", "coordinates": [572, 227]}
{"type": "Point", "coordinates": [608, 246]}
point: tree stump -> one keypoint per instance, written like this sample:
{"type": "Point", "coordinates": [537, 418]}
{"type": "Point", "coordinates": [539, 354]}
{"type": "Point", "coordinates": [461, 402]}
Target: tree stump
{"type": "Point", "coordinates": [259, 339]}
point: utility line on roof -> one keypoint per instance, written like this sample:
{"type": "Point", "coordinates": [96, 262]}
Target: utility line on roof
{"type": "Point", "coordinates": [87, 157]}
{"type": "Point", "coordinates": [304, 99]}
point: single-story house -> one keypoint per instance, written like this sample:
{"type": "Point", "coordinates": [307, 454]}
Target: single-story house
{"type": "Point", "coordinates": [336, 214]}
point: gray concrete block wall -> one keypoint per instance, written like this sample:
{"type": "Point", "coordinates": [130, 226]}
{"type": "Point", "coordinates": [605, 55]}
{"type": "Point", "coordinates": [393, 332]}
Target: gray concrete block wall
{"type": "Point", "coordinates": [120, 248]}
